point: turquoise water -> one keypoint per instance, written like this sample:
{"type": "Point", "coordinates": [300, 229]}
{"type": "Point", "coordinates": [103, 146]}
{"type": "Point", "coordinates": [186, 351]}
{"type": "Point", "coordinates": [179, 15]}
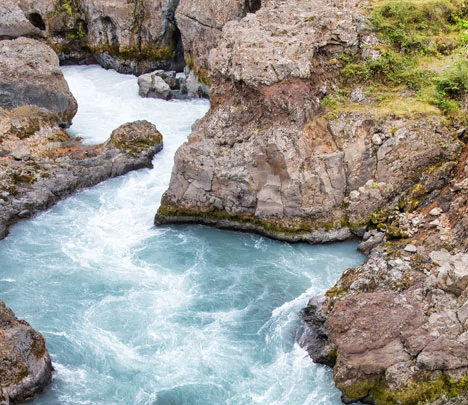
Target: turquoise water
{"type": "Point", "coordinates": [135, 314]}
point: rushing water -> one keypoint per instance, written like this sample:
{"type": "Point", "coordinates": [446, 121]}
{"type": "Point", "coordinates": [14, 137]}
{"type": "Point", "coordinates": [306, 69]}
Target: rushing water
{"type": "Point", "coordinates": [135, 314]}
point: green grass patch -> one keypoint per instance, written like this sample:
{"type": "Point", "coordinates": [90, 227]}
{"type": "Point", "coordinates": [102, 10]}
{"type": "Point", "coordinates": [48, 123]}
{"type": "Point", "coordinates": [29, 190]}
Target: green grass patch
{"type": "Point", "coordinates": [420, 64]}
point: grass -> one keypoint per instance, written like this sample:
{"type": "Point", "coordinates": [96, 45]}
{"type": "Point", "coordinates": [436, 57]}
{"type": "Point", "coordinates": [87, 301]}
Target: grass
{"type": "Point", "coordinates": [421, 67]}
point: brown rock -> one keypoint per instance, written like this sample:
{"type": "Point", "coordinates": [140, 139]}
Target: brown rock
{"type": "Point", "coordinates": [25, 366]}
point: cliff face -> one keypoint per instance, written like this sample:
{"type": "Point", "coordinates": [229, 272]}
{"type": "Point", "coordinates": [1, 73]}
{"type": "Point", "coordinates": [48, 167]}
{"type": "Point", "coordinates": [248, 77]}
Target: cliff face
{"type": "Point", "coordinates": [128, 36]}
{"type": "Point", "coordinates": [201, 23]}
{"type": "Point", "coordinates": [301, 143]}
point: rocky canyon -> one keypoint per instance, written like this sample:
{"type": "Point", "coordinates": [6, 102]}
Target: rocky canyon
{"type": "Point", "coordinates": [329, 120]}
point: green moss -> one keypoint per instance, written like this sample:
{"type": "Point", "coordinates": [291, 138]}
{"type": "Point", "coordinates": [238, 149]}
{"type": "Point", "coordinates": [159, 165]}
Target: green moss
{"type": "Point", "coordinates": [410, 26]}
{"type": "Point", "coordinates": [23, 178]}
{"type": "Point", "coordinates": [271, 225]}
{"type": "Point", "coordinates": [135, 146]}
{"type": "Point", "coordinates": [421, 392]}
{"type": "Point", "coordinates": [156, 53]}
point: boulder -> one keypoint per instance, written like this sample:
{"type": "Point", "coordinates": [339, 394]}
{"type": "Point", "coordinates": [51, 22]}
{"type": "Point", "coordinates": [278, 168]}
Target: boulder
{"type": "Point", "coordinates": [152, 85]}
{"type": "Point", "coordinates": [14, 24]}
{"type": "Point", "coordinates": [136, 137]}
{"type": "Point", "coordinates": [25, 366]}
{"type": "Point", "coordinates": [30, 75]}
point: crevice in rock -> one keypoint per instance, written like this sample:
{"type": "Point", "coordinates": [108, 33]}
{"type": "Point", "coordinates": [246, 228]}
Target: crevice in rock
{"type": "Point", "coordinates": [172, 36]}
{"type": "Point", "coordinates": [36, 20]}
{"type": "Point", "coordinates": [252, 6]}
{"type": "Point", "coordinates": [108, 32]}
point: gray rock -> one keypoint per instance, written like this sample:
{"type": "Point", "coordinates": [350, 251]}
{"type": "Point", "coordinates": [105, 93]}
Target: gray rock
{"type": "Point", "coordinates": [411, 248]}
{"type": "Point", "coordinates": [21, 152]}
{"type": "Point", "coordinates": [435, 212]}
{"type": "Point", "coordinates": [152, 85]}
{"type": "Point", "coordinates": [30, 75]}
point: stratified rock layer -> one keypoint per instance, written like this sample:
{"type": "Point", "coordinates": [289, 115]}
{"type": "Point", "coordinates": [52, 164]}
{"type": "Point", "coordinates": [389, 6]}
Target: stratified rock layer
{"type": "Point", "coordinates": [25, 366]}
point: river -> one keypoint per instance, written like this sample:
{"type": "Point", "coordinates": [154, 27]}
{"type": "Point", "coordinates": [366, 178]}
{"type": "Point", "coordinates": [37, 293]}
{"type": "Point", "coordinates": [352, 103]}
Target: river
{"type": "Point", "coordinates": [135, 314]}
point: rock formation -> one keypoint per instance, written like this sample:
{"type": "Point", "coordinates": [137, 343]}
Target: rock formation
{"type": "Point", "coordinates": [272, 157]}
{"type": "Point", "coordinates": [130, 37]}
{"type": "Point", "coordinates": [25, 366]}
{"type": "Point", "coordinates": [40, 163]}
{"type": "Point", "coordinates": [277, 166]}
{"type": "Point", "coordinates": [30, 75]}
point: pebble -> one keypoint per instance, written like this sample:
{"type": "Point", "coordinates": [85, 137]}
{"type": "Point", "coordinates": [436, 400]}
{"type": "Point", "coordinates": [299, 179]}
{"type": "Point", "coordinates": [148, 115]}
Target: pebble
{"type": "Point", "coordinates": [411, 248]}
{"type": "Point", "coordinates": [435, 212]}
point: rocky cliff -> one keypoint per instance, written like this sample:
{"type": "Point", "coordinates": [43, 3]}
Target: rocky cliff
{"type": "Point", "coordinates": [134, 36]}
{"type": "Point", "coordinates": [128, 36]}
{"type": "Point", "coordinates": [334, 119]}
{"type": "Point", "coordinates": [25, 367]}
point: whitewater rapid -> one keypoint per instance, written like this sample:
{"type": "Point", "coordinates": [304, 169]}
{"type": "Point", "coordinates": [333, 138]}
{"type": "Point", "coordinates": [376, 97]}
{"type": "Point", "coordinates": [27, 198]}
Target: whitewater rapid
{"type": "Point", "coordinates": [135, 314]}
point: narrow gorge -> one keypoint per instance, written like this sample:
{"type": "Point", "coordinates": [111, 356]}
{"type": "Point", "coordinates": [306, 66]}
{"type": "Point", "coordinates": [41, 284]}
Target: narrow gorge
{"type": "Point", "coordinates": [328, 121]}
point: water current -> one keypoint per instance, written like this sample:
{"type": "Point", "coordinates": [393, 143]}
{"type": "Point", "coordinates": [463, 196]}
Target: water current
{"type": "Point", "coordinates": [135, 314]}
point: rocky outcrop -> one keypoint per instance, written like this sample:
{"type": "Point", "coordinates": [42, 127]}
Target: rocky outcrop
{"type": "Point", "coordinates": [265, 159]}
{"type": "Point", "coordinates": [130, 37]}
{"type": "Point", "coordinates": [30, 75]}
{"type": "Point", "coordinates": [395, 328]}
{"type": "Point", "coordinates": [201, 23]}
{"type": "Point", "coordinates": [40, 169]}
{"type": "Point", "coordinates": [25, 366]}
{"type": "Point", "coordinates": [40, 163]}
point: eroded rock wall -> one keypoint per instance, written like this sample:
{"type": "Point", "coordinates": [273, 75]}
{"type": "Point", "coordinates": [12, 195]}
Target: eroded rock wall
{"type": "Point", "coordinates": [128, 36]}
{"type": "Point", "coordinates": [264, 158]}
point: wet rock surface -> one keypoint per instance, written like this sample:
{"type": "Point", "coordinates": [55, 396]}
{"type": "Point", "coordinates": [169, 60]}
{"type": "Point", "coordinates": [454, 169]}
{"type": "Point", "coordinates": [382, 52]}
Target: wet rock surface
{"type": "Point", "coordinates": [25, 366]}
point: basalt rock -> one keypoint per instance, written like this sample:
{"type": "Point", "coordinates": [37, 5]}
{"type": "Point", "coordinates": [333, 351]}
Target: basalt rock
{"type": "Point", "coordinates": [397, 325]}
{"type": "Point", "coordinates": [265, 156]}
{"type": "Point", "coordinates": [30, 75]}
{"type": "Point", "coordinates": [25, 366]}
{"type": "Point", "coordinates": [130, 37]}
{"type": "Point", "coordinates": [57, 165]}
{"type": "Point", "coordinates": [201, 24]}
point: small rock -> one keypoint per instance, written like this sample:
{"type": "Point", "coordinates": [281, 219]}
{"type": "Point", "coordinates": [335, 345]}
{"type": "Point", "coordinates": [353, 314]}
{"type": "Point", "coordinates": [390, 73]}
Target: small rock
{"type": "Point", "coordinates": [411, 248]}
{"type": "Point", "coordinates": [24, 214]}
{"type": "Point", "coordinates": [21, 152]}
{"type": "Point", "coordinates": [435, 212]}
{"type": "Point", "coordinates": [358, 96]}
{"type": "Point", "coordinates": [434, 224]}
{"type": "Point", "coordinates": [377, 139]}
{"type": "Point", "coordinates": [153, 86]}
{"type": "Point", "coordinates": [354, 195]}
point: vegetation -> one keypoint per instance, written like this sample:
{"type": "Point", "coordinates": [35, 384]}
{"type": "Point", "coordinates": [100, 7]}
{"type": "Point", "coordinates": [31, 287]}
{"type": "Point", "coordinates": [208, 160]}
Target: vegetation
{"type": "Point", "coordinates": [420, 64]}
